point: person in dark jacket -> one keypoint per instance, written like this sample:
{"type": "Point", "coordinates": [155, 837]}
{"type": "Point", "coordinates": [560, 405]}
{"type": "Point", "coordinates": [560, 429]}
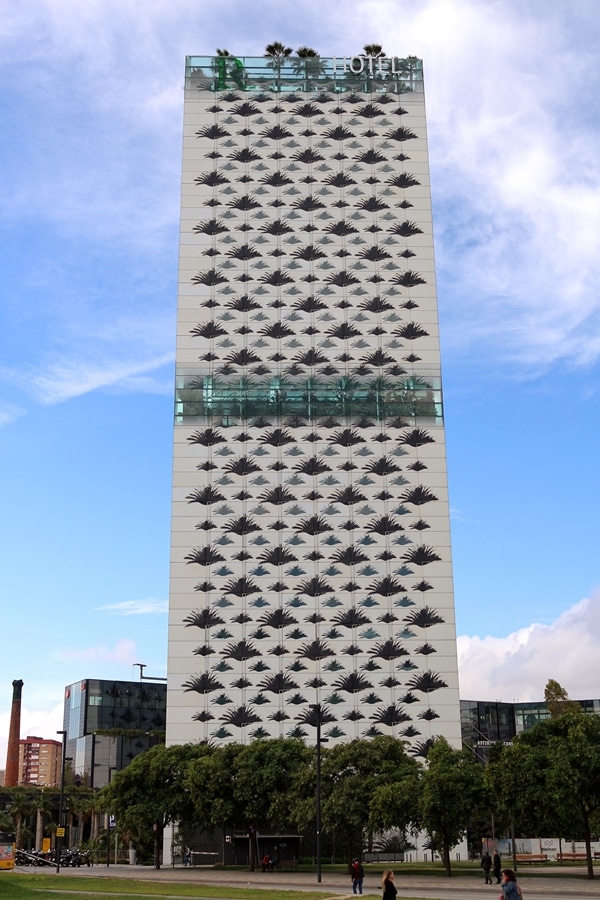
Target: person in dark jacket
{"type": "Point", "coordinates": [486, 865]}
{"type": "Point", "coordinates": [387, 885]}
{"type": "Point", "coordinates": [497, 867]}
{"type": "Point", "coordinates": [358, 874]}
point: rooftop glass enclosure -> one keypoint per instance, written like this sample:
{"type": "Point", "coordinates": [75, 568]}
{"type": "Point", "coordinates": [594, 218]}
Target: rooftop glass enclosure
{"type": "Point", "coordinates": [387, 74]}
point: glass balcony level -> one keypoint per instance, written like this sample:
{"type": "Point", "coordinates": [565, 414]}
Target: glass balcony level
{"type": "Point", "coordinates": [232, 403]}
{"type": "Point", "coordinates": [388, 74]}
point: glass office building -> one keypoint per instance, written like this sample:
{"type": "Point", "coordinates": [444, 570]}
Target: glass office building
{"type": "Point", "coordinates": [108, 723]}
{"type": "Point", "coordinates": [311, 571]}
{"type": "Point", "coordinates": [484, 723]}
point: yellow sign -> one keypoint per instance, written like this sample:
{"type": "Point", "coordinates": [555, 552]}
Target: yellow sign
{"type": "Point", "coordinates": [60, 832]}
{"type": "Point", "coordinates": [7, 855]}
{"type": "Point", "coordinates": [46, 845]}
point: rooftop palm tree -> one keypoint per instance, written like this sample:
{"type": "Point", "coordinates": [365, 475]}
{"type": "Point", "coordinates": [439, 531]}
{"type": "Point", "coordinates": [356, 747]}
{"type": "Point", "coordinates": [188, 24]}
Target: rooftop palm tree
{"type": "Point", "coordinates": [373, 50]}
{"type": "Point", "coordinates": [277, 52]}
{"type": "Point", "coordinates": [308, 64]}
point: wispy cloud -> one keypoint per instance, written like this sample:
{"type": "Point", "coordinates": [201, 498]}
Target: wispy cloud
{"type": "Point", "coordinates": [66, 378]}
{"type": "Point", "coordinates": [10, 413]}
{"type": "Point", "coordinates": [150, 606]}
{"type": "Point", "coordinates": [122, 653]}
{"type": "Point", "coordinates": [519, 665]}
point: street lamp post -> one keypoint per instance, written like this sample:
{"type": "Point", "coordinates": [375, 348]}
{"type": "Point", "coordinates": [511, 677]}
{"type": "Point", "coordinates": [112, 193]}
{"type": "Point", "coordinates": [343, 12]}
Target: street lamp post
{"type": "Point", "coordinates": [318, 793]}
{"type": "Point", "coordinates": [111, 769]}
{"type": "Point", "coordinates": [320, 740]}
{"type": "Point", "coordinates": [61, 800]}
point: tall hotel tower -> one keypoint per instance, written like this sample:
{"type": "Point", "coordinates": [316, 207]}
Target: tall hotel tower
{"type": "Point", "coordinates": [311, 570]}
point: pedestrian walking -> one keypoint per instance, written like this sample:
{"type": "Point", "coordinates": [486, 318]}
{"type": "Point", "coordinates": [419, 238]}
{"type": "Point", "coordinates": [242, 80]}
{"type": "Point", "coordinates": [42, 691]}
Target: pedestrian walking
{"type": "Point", "coordinates": [497, 867]}
{"type": "Point", "coordinates": [358, 874]}
{"type": "Point", "coordinates": [486, 865]}
{"type": "Point", "coordinates": [510, 888]}
{"type": "Point", "coordinates": [387, 885]}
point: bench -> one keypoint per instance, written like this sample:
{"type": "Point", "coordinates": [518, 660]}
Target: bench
{"type": "Point", "coordinates": [571, 857]}
{"type": "Point", "coordinates": [532, 857]}
{"type": "Point", "coordinates": [291, 865]}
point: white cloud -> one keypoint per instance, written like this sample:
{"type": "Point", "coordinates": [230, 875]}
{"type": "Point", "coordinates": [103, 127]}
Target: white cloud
{"type": "Point", "coordinates": [516, 184]}
{"type": "Point", "coordinates": [518, 666]}
{"type": "Point", "coordinates": [513, 141]}
{"type": "Point", "coordinates": [66, 378]}
{"type": "Point", "coordinates": [122, 653]}
{"type": "Point", "coordinates": [42, 721]}
{"type": "Point", "coordinates": [150, 606]}
{"type": "Point", "coordinates": [10, 413]}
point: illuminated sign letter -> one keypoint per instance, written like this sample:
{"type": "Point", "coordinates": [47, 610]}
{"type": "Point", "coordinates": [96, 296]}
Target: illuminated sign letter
{"type": "Point", "coordinates": [228, 67]}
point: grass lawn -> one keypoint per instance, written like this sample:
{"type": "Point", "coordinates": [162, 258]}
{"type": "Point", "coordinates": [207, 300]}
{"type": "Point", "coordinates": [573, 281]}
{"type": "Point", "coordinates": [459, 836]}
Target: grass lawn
{"type": "Point", "coordinates": [30, 887]}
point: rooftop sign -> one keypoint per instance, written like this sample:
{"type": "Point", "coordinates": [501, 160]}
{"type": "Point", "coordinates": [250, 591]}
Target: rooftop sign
{"type": "Point", "coordinates": [293, 73]}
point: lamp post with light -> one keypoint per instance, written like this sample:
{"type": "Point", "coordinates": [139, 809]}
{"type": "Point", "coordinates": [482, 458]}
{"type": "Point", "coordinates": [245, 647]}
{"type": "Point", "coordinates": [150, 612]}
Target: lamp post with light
{"type": "Point", "coordinates": [320, 740]}
{"type": "Point", "coordinates": [111, 769]}
{"type": "Point", "coordinates": [59, 830]}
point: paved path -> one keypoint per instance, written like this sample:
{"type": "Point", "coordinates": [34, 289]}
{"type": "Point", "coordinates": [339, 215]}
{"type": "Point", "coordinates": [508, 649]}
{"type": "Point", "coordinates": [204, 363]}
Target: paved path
{"type": "Point", "coordinates": [335, 885]}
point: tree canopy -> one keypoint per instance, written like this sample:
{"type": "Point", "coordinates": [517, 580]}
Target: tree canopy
{"type": "Point", "coordinates": [277, 50]}
{"type": "Point", "coordinates": [550, 778]}
{"type": "Point", "coordinates": [352, 773]}
{"type": "Point", "coordinates": [546, 782]}
{"type": "Point", "coordinates": [150, 793]}
{"type": "Point", "coordinates": [557, 700]}
{"type": "Point", "coordinates": [373, 50]}
{"type": "Point", "coordinates": [452, 792]}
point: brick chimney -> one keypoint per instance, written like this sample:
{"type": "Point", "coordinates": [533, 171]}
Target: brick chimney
{"type": "Point", "coordinates": [11, 777]}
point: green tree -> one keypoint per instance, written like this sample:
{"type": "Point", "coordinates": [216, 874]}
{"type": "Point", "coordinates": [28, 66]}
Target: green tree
{"type": "Point", "coordinates": [515, 781]}
{"type": "Point", "coordinates": [452, 788]}
{"type": "Point", "coordinates": [45, 804]}
{"type": "Point", "coordinates": [352, 773]}
{"type": "Point", "coordinates": [81, 802]}
{"type": "Point", "coordinates": [557, 700]}
{"type": "Point", "coordinates": [373, 50]}
{"type": "Point", "coordinates": [247, 786]}
{"type": "Point", "coordinates": [278, 51]}
{"type": "Point", "coordinates": [550, 778]}
{"type": "Point", "coordinates": [309, 64]}
{"type": "Point", "coordinates": [150, 793]}
{"type": "Point", "coordinates": [210, 780]}
{"type": "Point", "coordinates": [396, 805]}
{"type": "Point", "coordinates": [21, 807]}
{"type": "Point", "coordinates": [570, 747]}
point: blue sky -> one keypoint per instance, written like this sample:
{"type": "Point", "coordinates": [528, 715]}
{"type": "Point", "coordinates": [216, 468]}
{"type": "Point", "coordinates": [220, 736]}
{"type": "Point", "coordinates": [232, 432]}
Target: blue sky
{"type": "Point", "coordinates": [91, 103]}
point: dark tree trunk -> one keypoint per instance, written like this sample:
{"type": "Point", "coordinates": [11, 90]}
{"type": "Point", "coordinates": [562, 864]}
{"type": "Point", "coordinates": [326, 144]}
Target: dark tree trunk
{"type": "Point", "coordinates": [446, 857]}
{"type": "Point", "coordinates": [588, 844]}
{"type": "Point", "coordinates": [252, 839]}
{"type": "Point", "coordinates": [158, 836]}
